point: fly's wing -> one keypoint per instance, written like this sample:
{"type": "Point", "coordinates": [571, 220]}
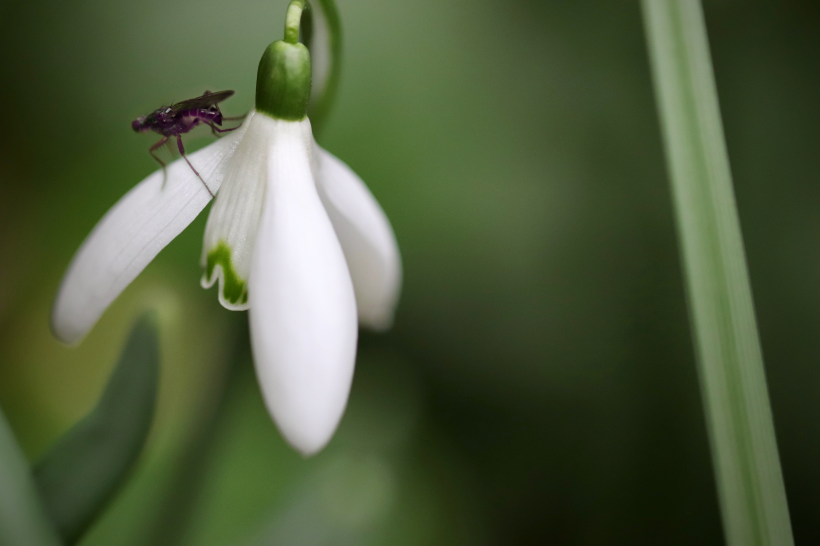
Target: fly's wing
{"type": "Point", "coordinates": [205, 101]}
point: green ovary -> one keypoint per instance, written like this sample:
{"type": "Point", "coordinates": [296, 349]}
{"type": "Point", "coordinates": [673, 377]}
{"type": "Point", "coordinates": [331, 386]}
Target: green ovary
{"type": "Point", "coordinates": [234, 289]}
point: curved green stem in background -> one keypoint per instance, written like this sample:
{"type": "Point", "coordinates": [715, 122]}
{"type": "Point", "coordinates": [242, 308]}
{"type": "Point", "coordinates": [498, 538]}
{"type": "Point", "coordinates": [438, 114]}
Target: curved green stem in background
{"type": "Point", "coordinates": [322, 33]}
{"type": "Point", "coordinates": [730, 361]}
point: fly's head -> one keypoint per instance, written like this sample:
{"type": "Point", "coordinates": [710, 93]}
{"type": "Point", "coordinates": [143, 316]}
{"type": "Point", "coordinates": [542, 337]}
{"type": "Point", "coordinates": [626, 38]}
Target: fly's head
{"type": "Point", "coordinates": [139, 125]}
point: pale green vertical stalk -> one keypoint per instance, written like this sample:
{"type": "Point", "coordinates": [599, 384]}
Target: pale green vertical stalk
{"type": "Point", "coordinates": [744, 451]}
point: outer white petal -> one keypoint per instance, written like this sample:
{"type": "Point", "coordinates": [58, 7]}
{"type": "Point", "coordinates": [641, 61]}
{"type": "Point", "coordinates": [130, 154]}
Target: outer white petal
{"type": "Point", "coordinates": [132, 233]}
{"type": "Point", "coordinates": [366, 237]}
{"type": "Point", "coordinates": [232, 224]}
{"type": "Point", "coordinates": [303, 310]}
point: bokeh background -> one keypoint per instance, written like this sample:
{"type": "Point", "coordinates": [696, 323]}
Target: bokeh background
{"type": "Point", "coordinates": [539, 385]}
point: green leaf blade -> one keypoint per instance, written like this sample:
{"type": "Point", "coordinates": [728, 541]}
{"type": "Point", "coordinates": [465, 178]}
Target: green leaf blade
{"type": "Point", "coordinates": [730, 361]}
{"type": "Point", "coordinates": [84, 469]}
{"type": "Point", "coordinates": [23, 521]}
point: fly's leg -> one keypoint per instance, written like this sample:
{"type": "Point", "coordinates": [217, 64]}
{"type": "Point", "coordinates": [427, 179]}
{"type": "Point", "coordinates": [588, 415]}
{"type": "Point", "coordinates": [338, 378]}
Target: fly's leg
{"type": "Point", "coordinates": [182, 151]}
{"type": "Point", "coordinates": [215, 129]}
{"type": "Point", "coordinates": [233, 118]}
{"type": "Point", "coordinates": [151, 151]}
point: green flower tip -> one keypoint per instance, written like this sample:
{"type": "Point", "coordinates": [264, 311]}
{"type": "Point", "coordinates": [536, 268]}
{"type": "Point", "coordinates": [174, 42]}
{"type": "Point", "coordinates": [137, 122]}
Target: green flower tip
{"type": "Point", "coordinates": [283, 81]}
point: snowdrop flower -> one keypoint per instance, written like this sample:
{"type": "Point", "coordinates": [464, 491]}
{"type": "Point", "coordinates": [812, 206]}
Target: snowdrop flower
{"type": "Point", "coordinates": [294, 237]}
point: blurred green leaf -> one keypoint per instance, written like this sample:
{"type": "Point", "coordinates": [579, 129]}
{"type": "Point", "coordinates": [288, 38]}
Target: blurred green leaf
{"type": "Point", "coordinates": [22, 520]}
{"type": "Point", "coordinates": [744, 449]}
{"type": "Point", "coordinates": [81, 473]}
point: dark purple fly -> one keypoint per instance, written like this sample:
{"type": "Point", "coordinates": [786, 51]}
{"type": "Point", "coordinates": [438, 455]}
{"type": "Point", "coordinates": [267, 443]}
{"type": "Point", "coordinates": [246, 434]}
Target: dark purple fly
{"type": "Point", "coordinates": [181, 117]}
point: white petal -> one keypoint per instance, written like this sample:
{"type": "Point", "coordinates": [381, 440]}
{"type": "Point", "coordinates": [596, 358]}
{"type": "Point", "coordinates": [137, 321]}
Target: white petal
{"type": "Point", "coordinates": [132, 233]}
{"type": "Point", "coordinates": [231, 231]}
{"type": "Point", "coordinates": [366, 237]}
{"type": "Point", "coordinates": [303, 311]}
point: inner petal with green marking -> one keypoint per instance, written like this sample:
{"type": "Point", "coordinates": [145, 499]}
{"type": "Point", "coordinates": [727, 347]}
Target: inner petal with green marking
{"type": "Point", "coordinates": [232, 288]}
{"type": "Point", "coordinates": [230, 234]}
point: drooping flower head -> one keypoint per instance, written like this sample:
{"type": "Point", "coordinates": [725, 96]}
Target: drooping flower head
{"type": "Point", "coordinates": [294, 237]}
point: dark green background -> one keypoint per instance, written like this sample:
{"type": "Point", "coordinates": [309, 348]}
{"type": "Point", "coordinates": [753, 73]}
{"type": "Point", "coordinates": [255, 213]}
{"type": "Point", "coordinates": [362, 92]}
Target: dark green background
{"type": "Point", "coordinates": [539, 384]}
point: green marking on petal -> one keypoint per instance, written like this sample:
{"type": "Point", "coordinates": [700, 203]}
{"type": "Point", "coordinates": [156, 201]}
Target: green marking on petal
{"type": "Point", "coordinates": [234, 289]}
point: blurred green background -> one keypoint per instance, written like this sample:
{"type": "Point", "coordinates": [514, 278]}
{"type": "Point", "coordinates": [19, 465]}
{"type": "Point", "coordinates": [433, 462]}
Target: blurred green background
{"type": "Point", "coordinates": [538, 386]}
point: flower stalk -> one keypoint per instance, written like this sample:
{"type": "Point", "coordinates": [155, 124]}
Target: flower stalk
{"type": "Point", "coordinates": [750, 485]}
{"type": "Point", "coordinates": [293, 20]}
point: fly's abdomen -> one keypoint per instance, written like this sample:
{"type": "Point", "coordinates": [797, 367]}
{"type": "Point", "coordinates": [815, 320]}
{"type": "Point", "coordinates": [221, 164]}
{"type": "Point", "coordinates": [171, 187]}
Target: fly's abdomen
{"type": "Point", "coordinates": [206, 116]}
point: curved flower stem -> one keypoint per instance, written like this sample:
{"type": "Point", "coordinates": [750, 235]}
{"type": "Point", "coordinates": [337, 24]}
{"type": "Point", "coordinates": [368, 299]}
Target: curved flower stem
{"type": "Point", "coordinates": [293, 20]}
{"type": "Point", "coordinates": [730, 362]}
